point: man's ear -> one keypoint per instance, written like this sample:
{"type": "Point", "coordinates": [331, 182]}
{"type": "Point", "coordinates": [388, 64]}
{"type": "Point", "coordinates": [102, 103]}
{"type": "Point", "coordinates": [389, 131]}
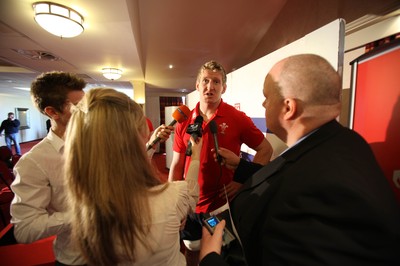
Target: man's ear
{"type": "Point", "coordinates": [52, 112]}
{"type": "Point", "coordinates": [223, 88]}
{"type": "Point", "coordinates": [290, 106]}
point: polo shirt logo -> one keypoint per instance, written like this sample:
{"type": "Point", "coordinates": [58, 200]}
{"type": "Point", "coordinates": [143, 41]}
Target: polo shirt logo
{"type": "Point", "coordinates": [223, 127]}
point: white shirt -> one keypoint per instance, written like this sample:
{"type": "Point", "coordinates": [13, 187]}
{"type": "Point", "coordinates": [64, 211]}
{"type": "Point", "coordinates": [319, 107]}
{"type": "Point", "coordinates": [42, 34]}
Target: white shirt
{"type": "Point", "coordinates": [39, 203]}
{"type": "Point", "coordinates": [168, 209]}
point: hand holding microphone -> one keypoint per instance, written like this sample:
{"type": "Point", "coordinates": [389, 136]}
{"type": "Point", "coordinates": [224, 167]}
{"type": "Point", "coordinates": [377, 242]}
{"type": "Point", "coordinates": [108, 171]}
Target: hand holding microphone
{"type": "Point", "coordinates": [180, 115]}
{"type": "Point", "coordinates": [228, 158]}
{"type": "Point", "coordinates": [223, 156]}
{"type": "Point", "coordinates": [162, 132]}
{"type": "Point", "coordinates": [214, 131]}
{"type": "Point", "coordinates": [196, 147]}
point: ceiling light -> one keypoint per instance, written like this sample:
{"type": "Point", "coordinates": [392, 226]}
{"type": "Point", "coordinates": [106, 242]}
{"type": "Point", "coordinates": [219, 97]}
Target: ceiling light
{"type": "Point", "coordinates": [111, 73]}
{"type": "Point", "coordinates": [23, 88]}
{"type": "Point", "coordinates": [58, 19]}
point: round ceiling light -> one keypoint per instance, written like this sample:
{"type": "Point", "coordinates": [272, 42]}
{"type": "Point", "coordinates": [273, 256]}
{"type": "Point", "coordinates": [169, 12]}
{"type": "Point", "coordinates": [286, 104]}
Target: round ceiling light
{"type": "Point", "coordinates": [111, 73]}
{"type": "Point", "coordinates": [58, 19]}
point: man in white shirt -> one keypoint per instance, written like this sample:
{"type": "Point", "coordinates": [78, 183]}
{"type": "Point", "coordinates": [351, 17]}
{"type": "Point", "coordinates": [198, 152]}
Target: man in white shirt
{"type": "Point", "coordinates": [39, 205]}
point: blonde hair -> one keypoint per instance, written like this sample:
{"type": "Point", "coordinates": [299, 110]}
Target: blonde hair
{"type": "Point", "coordinates": [213, 66]}
{"type": "Point", "coordinates": [108, 176]}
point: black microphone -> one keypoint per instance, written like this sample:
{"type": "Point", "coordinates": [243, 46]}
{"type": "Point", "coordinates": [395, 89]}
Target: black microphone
{"type": "Point", "coordinates": [214, 131]}
{"type": "Point", "coordinates": [196, 131]}
{"type": "Point", "coordinates": [179, 115]}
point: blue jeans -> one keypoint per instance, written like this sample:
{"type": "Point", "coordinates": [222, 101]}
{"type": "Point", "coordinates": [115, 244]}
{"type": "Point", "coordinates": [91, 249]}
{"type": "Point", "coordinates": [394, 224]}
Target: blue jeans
{"type": "Point", "coordinates": [13, 138]}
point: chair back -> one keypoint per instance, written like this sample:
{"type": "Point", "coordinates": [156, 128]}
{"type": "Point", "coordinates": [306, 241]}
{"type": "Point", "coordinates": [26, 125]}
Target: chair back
{"type": "Point", "coordinates": [7, 176]}
{"type": "Point", "coordinates": [6, 194]}
{"type": "Point", "coordinates": [37, 253]}
{"type": "Point", "coordinates": [5, 154]}
{"type": "Point", "coordinates": [15, 159]}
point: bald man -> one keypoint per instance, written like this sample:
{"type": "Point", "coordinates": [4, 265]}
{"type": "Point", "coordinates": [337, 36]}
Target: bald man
{"type": "Point", "coordinates": [324, 200]}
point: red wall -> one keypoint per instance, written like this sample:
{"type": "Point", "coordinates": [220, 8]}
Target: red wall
{"type": "Point", "coordinates": [377, 109]}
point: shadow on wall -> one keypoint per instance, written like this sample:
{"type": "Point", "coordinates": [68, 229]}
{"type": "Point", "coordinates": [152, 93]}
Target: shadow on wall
{"type": "Point", "coordinates": [388, 152]}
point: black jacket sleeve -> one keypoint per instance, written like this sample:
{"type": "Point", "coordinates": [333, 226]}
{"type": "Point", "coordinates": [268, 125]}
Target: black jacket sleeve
{"type": "Point", "coordinates": [245, 170]}
{"type": "Point", "coordinates": [213, 259]}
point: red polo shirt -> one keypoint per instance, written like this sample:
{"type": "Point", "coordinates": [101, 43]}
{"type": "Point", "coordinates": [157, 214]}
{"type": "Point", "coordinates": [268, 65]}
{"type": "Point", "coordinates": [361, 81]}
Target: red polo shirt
{"type": "Point", "coordinates": [234, 129]}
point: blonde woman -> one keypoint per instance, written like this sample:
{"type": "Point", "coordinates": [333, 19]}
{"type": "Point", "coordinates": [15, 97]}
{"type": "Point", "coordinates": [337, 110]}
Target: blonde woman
{"type": "Point", "coordinates": [121, 212]}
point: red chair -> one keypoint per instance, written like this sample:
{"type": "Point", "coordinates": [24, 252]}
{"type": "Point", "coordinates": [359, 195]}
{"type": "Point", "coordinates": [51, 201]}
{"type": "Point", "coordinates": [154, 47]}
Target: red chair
{"type": "Point", "coordinates": [5, 155]}
{"type": "Point", "coordinates": [7, 176]}
{"type": "Point", "coordinates": [13, 254]}
{"type": "Point", "coordinates": [6, 194]}
{"type": "Point", "coordinates": [15, 159]}
{"type": "Point", "coordinates": [39, 253]}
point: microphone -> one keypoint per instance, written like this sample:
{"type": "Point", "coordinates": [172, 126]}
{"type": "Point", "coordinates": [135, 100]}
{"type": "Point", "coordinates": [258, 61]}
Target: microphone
{"type": "Point", "coordinates": [195, 130]}
{"type": "Point", "coordinates": [214, 131]}
{"type": "Point", "coordinates": [181, 114]}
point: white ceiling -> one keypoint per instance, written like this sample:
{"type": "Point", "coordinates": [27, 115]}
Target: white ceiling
{"type": "Point", "coordinates": [143, 37]}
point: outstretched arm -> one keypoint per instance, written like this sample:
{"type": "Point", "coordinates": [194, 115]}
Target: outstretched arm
{"type": "Point", "coordinates": [193, 173]}
{"type": "Point", "coordinates": [177, 167]}
{"type": "Point", "coordinates": [264, 152]}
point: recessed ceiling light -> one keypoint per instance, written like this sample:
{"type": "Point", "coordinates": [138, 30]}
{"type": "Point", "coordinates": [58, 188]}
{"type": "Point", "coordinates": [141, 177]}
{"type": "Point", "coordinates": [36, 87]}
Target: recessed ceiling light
{"type": "Point", "coordinates": [171, 66]}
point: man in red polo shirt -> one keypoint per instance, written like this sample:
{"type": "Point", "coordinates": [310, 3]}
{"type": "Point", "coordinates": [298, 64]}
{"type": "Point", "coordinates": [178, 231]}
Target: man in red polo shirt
{"type": "Point", "coordinates": [233, 129]}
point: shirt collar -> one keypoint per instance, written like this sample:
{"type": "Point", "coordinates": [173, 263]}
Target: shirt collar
{"type": "Point", "coordinates": [56, 141]}
{"type": "Point", "coordinates": [196, 111]}
{"type": "Point", "coordinates": [300, 140]}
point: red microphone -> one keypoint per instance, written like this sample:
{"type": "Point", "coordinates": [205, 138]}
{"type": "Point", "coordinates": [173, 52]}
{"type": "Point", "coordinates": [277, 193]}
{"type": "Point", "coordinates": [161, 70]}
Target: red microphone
{"type": "Point", "coordinates": [180, 115]}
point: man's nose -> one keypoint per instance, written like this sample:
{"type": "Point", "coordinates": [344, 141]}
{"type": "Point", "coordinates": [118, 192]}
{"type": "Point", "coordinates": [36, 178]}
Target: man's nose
{"type": "Point", "coordinates": [210, 86]}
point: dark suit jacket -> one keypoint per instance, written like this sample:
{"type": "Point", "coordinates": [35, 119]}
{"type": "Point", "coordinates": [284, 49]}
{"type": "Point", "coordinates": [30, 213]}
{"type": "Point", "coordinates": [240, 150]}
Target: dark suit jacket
{"type": "Point", "coordinates": [323, 202]}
